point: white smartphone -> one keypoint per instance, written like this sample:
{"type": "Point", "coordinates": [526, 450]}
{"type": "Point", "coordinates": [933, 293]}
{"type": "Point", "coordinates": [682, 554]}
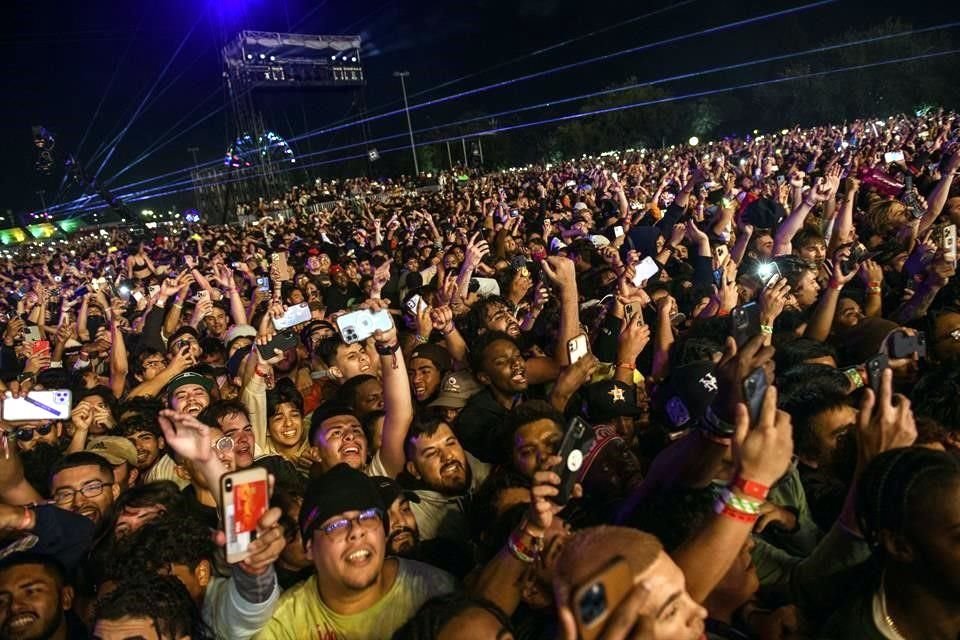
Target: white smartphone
{"type": "Point", "coordinates": [153, 290]}
{"type": "Point", "coordinates": [54, 404]}
{"type": "Point", "coordinates": [644, 271]}
{"type": "Point", "coordinates": [413, 304]}
{"type": "Point", "coordinates": [31, 333]}
{"type": "Point", "coordinates": [137, 296]}
{"type": "Point", "coordinates": [293, 316]}
{"type": "Point", "coordinates": [577, 348]}
{"type": "Point", "coordinates": [893, 156]}
{"type": "Point", "coordinates": [948, 242]}
{"type": "Point", "coordinates": [245, 498]}
{"type": "Point", "coordinates": [618, 231]}
{"type": "Point", "coordinates": [360, 325]}
{"type": "Point", "coordinates": [488, 287]}
{"type": "Point", "coordinates": [721, 254]}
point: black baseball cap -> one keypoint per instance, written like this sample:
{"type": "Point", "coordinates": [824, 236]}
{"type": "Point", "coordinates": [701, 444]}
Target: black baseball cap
{"type": "Point", "coordinates": [337, 491]}
{"type": "Point", "coordinates": [390, 490]}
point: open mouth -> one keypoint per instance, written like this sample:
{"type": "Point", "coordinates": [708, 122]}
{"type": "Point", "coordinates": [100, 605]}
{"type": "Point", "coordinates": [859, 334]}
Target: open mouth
{"type": "Point", "coordinates": [451, 468]}
{"type": "Point", "coordinates": [21, 621]}
{"type": "Point", "coordinates": [519, 378]}
{"type": "Point", "coordinates": [193, 408]}
{"type": "Point", "coordinates": [420, 391]}
{"type": "Point", "coordinates": [89, 512]}
{"type": "Point", "coordinates": [289, 434]}
{"type": "Point", "coordinates": [359, 557]}
{"type": "Point", "coordinates": [350, 450]}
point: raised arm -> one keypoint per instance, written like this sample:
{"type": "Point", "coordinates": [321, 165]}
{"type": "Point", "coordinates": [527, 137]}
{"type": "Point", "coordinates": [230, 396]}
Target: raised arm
{"type": "Point", "coordinates": [843, 224]}
{"type": "Point", "coordinates": [562, 273]}
{"type": "Point", "coordinates": [397, 401]}
{"type": "Point", "coordinates": [938, 197]}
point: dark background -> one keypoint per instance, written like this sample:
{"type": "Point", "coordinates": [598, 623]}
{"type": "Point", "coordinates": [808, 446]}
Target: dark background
{"type": "Point", "coordinates": [62, 60]}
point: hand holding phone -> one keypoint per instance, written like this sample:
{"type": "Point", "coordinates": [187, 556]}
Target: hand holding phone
{"type": "Point", "coordinates": [577, 348]}
{"type": "Point", "coordinates": [573, 449]}
{"type": "Point", "coordinates": [245, 497]}
{"type": "Point", "coordinates": [595, 601]}
{"type": "Point", "coordinates": [647, 268]}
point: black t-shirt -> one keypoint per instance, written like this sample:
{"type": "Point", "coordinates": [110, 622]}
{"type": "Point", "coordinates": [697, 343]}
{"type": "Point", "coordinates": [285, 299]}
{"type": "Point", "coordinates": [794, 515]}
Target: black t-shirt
{"type": "Point", "coordinates": [478, 426]}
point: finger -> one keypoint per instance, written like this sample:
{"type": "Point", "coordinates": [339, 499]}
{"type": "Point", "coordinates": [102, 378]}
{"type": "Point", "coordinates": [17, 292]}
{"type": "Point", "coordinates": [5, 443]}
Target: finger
{"type": "Point", "coordinates": [627, 617]}
{"type": "Point", "coordinates": [568, 626]}
{"type": "Point", "coordinates": [886, 390]}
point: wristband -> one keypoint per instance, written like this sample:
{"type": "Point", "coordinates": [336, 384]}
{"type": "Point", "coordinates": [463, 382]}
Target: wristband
{"type": "Point", "coordinates": [449, 331]}
{"type": "Point", "coordinates": [855, 377]}
{"type": "Point", "coordinates": [749, 506]}
{"type": "Point", "coordinates": [723, 313]}
{"type": "Point", "coordinates": [520, 551]}
{"type": "Point", "coordinates": [751, 488]}
{"type": "Point", "coordinates": [872, 284]}
{"type": "Point", "coordinates": [727, 510]}
{"type": "Point", "coordinates": [874, 289]}
{"type": "Point", "coordinates": [160, 302]}
{"type": "Point", "coordinates": [626, 365]}
{"type": "Point", "coordinates": [766, 330]}
{"type": "Point", "coordinates": [387, 350]}
{"type": "Point", "coordinates": [834, 284]}
{"type": "Point", "coordinates": [421, 340]}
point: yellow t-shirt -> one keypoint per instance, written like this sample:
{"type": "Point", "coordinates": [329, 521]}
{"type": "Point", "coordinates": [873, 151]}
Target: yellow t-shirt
{"type": "Point", "coordinates": [302, 615]}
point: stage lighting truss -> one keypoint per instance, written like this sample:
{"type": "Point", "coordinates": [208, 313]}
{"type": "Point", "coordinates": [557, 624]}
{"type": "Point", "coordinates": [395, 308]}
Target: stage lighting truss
{"type": "Point", "coordinates": [265, 60]}
{"type": "Point", "coordinates": [268, 147]}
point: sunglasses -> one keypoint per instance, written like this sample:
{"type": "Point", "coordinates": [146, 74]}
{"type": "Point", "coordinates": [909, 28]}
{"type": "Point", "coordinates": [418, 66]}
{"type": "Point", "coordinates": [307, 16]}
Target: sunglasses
{"type": "Point", "coordinates": [25, 434]}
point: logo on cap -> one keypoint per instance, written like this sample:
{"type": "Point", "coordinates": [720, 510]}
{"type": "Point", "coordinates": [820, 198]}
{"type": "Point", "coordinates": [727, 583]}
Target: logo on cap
{"type": "Point", "coordinates": [709, 382]}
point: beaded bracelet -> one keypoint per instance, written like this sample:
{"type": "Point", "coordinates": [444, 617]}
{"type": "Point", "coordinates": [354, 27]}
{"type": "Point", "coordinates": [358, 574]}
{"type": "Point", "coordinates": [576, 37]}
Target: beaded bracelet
{"type": "Point", "coordinates": [766, 330]}
{"type": "Point", "coordinates": [740, 503]}
{"type": "Point", "coordinates": [520, 551]}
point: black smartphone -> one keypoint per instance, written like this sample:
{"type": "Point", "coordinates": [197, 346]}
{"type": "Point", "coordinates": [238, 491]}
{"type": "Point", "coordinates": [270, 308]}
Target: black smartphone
{"type": "Point", "coordinates": [754, 388]}
{"type": "Point", "coordinates": [875, 367]}
{"type": "Point", "coordinates": [572, 452]}
{"type": "Point", "coordinates": [902, 345]}
{"type": "Point", "coordinates": [282, 340]}
{"type": "Point", "coordinates": [745, 322]}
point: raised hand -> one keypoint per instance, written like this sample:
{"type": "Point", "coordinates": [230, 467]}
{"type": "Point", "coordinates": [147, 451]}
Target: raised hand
{"type": "Point", "coordinates": [763, 451]}
{"type": "Point", "coordinates": [884, 423]}
{"type": "Point", "coordinates": [187, 436]}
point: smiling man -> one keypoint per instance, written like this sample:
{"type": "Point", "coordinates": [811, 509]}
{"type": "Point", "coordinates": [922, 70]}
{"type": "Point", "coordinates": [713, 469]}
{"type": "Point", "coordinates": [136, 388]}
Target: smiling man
{"type": "Point", "coordinates": [357, 592]}
{"type": "Point", "coordinates": [34, 599]}
{"type": "Point", "coordinates": [189, 392]}
{"type": "Point", "coordinates": [83, 482]}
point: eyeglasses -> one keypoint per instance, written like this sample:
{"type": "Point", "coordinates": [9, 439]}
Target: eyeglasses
{"type": "Point", "coordinates": [223, 445]}
{"type": "Point", "coordinates": [89, 490]}
{"type": "Point", "coordinates": [150, 364]}
{"type": "Point", "coordinates": [368, 519]}
{"type": "Point", "coordinates": [25, 434]}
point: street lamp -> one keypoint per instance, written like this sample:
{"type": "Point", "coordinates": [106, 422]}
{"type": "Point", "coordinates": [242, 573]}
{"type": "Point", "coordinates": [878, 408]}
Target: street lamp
{"type": "Point", "coordinates": [403, 75]}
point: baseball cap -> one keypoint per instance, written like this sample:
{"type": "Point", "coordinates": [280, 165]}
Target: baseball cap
{"type": "Point", "coordinates": [456, 389]}
{"type": "Point", "coordinates": [686, 394]}
{"type": "Point", "coordinates": [610, 399]}
{"type": "Point", "coordinates": [188, 377]}
{"type": "Point", "coordinates": [436, 354]}
{"type": "Point", "coordinates": [114, 449]}
{"type": "Point", "coordinates": [337, 491]}
{"type": "Point", "coordinates": [239, 331]}
{"type": "Point", "coordinates": [580, 206]}
{"type": "Point", "coordinates": [390, 490]}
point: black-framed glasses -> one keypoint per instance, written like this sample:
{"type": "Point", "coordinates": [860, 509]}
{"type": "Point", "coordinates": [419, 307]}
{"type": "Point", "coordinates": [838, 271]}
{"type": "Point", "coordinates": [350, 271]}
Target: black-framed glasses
{"type": "Point", "coordinates": [25, 434]}
{"type": "Point", "coordinates": [91, 489]}
{"type": "Point", "coordinates": [338, 529]}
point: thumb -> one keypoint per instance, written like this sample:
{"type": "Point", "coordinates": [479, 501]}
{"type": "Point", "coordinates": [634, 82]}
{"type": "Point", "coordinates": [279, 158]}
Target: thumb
{"type": "Point", "coordinates": [741, 422]}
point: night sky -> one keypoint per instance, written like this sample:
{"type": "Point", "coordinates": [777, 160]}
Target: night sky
{"type": "Point", "coordinates": [61, 59]}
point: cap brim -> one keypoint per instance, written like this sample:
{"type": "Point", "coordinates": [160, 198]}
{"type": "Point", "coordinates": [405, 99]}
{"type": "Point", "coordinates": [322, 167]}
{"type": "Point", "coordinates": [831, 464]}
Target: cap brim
{"type": "Point", "coordinates": [449, 402]}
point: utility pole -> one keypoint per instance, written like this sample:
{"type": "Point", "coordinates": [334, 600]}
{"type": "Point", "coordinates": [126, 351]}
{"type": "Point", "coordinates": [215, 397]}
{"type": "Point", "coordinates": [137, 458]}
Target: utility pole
{"type": "Point", "coordinates": [196, 195]}
{"type": "Point", "coordinates": [403, 75]}
{"type": "Point", "coordinates": [194, 151]}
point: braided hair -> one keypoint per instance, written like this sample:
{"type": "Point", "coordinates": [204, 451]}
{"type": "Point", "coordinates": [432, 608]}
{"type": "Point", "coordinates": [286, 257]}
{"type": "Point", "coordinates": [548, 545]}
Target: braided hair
{"type": "Point", "coordinates": [893, 485]}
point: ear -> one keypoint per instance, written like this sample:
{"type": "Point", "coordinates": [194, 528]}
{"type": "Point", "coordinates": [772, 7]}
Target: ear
{"type": "Point", "coordinates": [116, 490]}
{"type": "Point", "coordinates": [335, 372]}
{"type": "Point", "coordinates": [483, 379]}
{"type": "Point", "coordinates": [308, 549]}
{"type": "Point", "coordinates": [161, 443]}
{"type": "Point", "coordinates": [132, 478]}
{"type": "Point", "coordinates": [203, 573]}
{"type": "Point", "coordinates": [59, 429]}
{"type": "Point", "coordinates": [896, 546]}
{"type": "Point", "coordinates": [412, 470]}
{"type": "Point", "coordinates": [66, 598]}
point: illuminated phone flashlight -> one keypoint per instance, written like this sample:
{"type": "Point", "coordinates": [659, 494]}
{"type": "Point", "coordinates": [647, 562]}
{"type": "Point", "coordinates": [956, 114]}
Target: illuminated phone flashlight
{"type": "Point", "coordinates": [765, 270]}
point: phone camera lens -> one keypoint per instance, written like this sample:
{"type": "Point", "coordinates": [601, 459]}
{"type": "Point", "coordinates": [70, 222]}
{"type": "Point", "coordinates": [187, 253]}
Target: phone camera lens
{"type": "Point", "coordinates": [228, 484]}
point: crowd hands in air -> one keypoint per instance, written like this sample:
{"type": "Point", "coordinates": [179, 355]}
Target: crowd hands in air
{"type": "Point", "coordinates": [663, 394]}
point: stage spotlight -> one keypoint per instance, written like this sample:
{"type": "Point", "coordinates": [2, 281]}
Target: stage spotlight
{"type": "Point", "coordinates": [353, 59]}
{"type": "Point", "coordinates": [263, 56]}
{"type": "Point", "coordinates": [333, 57]}
{"type": "Point", "coordinates": [249, 56]}
{"type": "Point", "coordinates": [694, 141]}
{"type": "Point", "coordinates": [273, 58]}
{"type": "Point", "coordinates": [191, 215]}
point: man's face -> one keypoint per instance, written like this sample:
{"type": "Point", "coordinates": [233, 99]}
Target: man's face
{"type": "Point", "coordinates": [341, 439]}
{"type": "Point", "coordinates": [814, 251]}
{"type": "Point", "coordinates": [807, 290]}
{"type": "Point", "coordinates": [152, 365]}
{"type": "Point", "coordinates": [499, 318]}
{"type": "Point", "coordinates": [67, 486]}
{"type": "Point", "coordinates": [933, 539]}
{"type": "Point", "coordinates": [238, 427]}
{"type": "Point", "coordinates": [440, 462]}
{"type": "Point", "coordinates": [190, 398]}
{"type": "Point", "coordinates": [29, 434]}
{"type": "Point", "coordinates": [404, 533]}
{"type": "Point", "coordinates": [185, 340]}
{"type": "Point", "coordinates": [126, 628]}
{"type": "Point", "coordinates": [764, 246]}
{"type": "Point", "coordinates": [102, 418]}
{"type": "Point", "coordinates": [31, 603]}
{"type": "Point", "coordinates": [148, 447]}
{"type": "Point", "coordinates": [424, 378]}
{"type": "Point", "coordinates": [286, 425]}
{"type": "Point", "coordinates": [351, 558]}
{"type": "Point", "coordinates": [828, 426]}
{"type": "Point", "coordinates": [369, 397]}
{"type": "Point", "coordinates": [352, 360]}
{"type": "Point", "coordinates": [339, 278]}
{"type": "Point", "coordinates": [504, 368]}
{"type": "Point", "coordinates": [848, 313]}
{"type": "Point", "coordinates": [216, 321]}
{"type": "Point", "coordinates": [533, 443]}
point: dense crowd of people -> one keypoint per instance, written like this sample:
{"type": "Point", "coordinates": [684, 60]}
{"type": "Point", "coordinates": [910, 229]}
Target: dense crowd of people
{"type": "Point", "coordinates": [704, 391]}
